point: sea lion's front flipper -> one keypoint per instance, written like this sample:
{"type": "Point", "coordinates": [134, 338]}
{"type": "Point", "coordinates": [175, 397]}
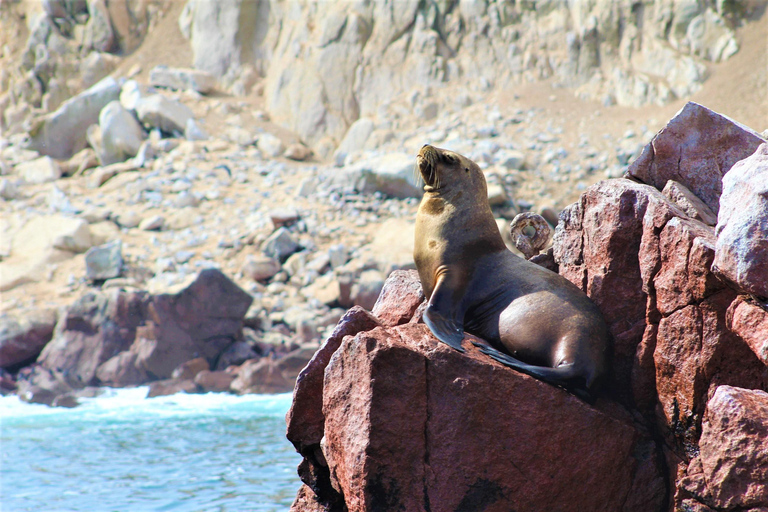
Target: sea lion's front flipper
{"type": "Point", "coordinates": [441, 317]}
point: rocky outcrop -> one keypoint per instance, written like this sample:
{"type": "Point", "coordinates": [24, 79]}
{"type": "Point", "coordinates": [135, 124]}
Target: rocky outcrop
{"type": "Point", "coordinates": [387, 417]}
{"type": "Point", "coordinates": [688, 367]}
{"type": "Point", "coordinates": [120, 338]}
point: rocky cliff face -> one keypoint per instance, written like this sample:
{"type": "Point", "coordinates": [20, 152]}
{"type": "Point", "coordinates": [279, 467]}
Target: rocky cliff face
{"type": "Point", "coordinates": [388, 418]}
{"type": "Point", "coordinates": [325, 65]}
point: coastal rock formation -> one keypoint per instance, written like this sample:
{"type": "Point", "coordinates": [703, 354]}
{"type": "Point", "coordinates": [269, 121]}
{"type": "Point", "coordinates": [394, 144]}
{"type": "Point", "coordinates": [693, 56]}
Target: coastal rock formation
{"type": "Point", "coordinates": [400, 420]}
{"type": "Point", "coordinates": [688, 353]}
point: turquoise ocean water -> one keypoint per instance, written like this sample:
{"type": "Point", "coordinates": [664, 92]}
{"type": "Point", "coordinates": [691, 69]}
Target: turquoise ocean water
{"type": "Point", "coordinates": [123, 452]}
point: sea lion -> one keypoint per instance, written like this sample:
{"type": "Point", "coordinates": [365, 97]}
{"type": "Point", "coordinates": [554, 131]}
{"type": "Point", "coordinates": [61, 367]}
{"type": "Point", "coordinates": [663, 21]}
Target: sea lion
{"type": "Point", "coordinates": [546, 325]}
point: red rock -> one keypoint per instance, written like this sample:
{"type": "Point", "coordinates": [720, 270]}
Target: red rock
{"type": "Point", "coordinates": [171, 387]}
{"type": "Point", "coordinates": [742, 230]}
{"type": "Point", "coordinates": [200, 321]}
{"type": "Point", "coordinates": [189, 369]}
{"type": "Point", "coordinates": [214, 382]}
{"type": "Point", "coordinates": [23, 338]}
{"type": "Point", "coordinates": [91, 331]}
{"type": "Point", "coordinates": [687, 249]}
{"type": "Point", "coordinates": [689, 203]}
{"type": "Point", "coordinates": [399, 298]}
{"type": "Point", "coordinates": [734, 448]}
{"type": "Point", "coordinates": [694, 351]}
{"type": "Point", "coordinates": [696, 148]}
{"type": "Point", "coordinates": [261, 376]}
{"type": "Point", "coordinates": [121, 370]}
{"type": "Point", "coordinates": [412, 425]}
{"type": "Point", "coordinates": [750, 322]}
{"type": "Point", "coordinates": [608, 245]}
{"type": "Point", "coordinates": [305, 418]}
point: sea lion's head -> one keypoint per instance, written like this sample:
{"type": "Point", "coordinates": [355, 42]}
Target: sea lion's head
{"type": "Point", "coordinates": [443, 170]}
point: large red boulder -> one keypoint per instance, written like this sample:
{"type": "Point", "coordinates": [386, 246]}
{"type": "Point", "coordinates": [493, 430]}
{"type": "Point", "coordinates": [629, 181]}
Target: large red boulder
{"type": "Point", "coordinates": [410, 424]}
{"type": "Point", "coordinates": [696, 148]}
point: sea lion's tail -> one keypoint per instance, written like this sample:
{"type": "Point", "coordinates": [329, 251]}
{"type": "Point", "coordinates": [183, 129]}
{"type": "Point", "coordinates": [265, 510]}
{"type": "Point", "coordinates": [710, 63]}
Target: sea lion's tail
{"type": "Point", "coordinates": [567, 376]}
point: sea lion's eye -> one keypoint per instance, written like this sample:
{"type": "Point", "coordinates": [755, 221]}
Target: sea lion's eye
{"type": "Point", "coordinates": [466, 169]}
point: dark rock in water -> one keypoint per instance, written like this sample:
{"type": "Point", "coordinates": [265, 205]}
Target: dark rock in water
{"type": "Point", "coordinates": [214, 382]}
{"type": "Point", "coordinates": [23, 338]}
{"type": "Point", "coordinates": [97, 327]}
{"type": "Point", "coordinates": [261, 376]}
{"type": "Point", "coordinates": [190, 369]}
{"type": "Point", "coordinates": [237, 353]}
{"type": "Point", "coordinates": [696, 148]}
{"type": "Point", "coordinates": [171, 387]}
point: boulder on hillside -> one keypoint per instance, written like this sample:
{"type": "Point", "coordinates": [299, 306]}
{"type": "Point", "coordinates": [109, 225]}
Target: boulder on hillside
{"type": "Point", "coordinates": [741, 251]}
{"type": "Point", "coordinates": [61, 134]}
{"type": "Point", "coordinates": [121, 134]}
{"type": "Point", "coordinates": [23, 337]}
{"type": "Point", "coordinates": [391, 174]}
{"type": "Point", "coordinates": [182, 79]}
{"type": "Point", "coordinates": [158, 111]}
{"type": "Point", "coordinates": [696, 148]}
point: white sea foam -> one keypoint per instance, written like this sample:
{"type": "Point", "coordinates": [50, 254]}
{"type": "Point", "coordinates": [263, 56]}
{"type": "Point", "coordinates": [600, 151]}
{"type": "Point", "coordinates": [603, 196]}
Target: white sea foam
{"type": "Point", "coordinates": [132, 402]}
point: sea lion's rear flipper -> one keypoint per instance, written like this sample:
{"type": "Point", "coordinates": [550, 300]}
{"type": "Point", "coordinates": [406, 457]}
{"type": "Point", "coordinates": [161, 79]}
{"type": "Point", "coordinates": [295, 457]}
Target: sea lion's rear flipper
{"type": "Point", "coordinates": [566, 376]}
{"type": "Point", "coordinates": [441, 317]}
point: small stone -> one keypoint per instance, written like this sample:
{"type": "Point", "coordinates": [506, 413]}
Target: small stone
{"type": "Point", "coordinates": [279, 245]}
{"type": "Point", "coordinates": [158, 111]}
{"type": "Point", "coordinates": [283, 216]}
{"type": "Point", "coordinates": [153, 223]}
{"type": "Point", "coordinates": [337, 255]}
{"type": "Point", "coordinates": [193, 131]}
{"type": "Point", "coordinates": [41, 170]}
{"type": "Point", "coordinates": [8, 190]}
{"type": "Point", "coordinates": [104, 261]}
{"type": "Point", "coordinates": [270, 145]}
{"type": "Point", "coordinates": [298, 152]}
{"type": "Point", "coordinates": [260, 268]}
{"type": "Point", "coordinates": [128, 219]}
{"type": "Point", "coordinates": [77, 237]}
{"type": "Point", "coordinates": [497, 196]}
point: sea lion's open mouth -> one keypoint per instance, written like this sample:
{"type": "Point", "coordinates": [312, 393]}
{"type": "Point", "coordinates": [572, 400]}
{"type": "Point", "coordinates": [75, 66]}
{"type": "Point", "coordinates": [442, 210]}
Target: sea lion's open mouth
{"type": "Point", "coordinates": [427, 160]}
